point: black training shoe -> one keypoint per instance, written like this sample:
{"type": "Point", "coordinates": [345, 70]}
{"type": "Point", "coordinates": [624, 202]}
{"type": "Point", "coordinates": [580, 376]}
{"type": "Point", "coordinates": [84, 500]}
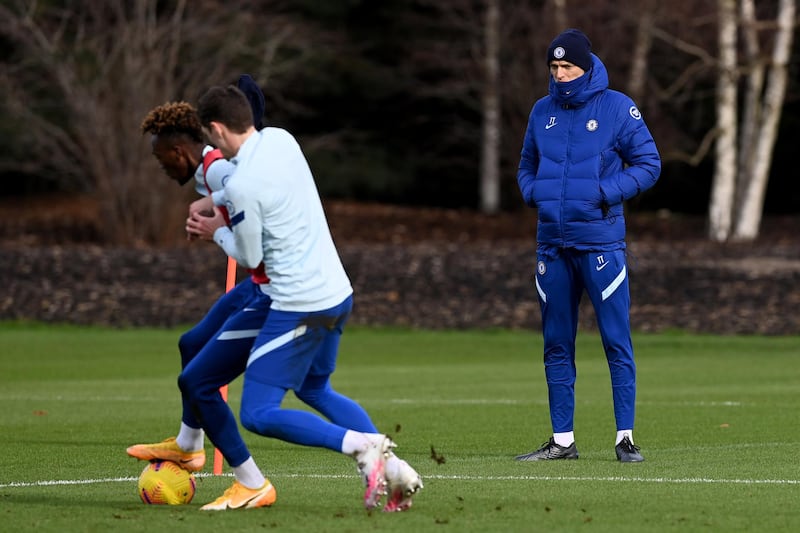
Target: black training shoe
{"type": "Point", "coordinates": [627, 452]}
{"type": "Point", "coordinates": [550, 450]}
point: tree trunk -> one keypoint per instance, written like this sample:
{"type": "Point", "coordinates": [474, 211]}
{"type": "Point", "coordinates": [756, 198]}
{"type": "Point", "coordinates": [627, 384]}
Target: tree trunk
{"type": "Point", "coordinates": [749, 219]}
{"type": "Point", "coordinates": [751, 104]}
{"type": "Point", "coordinates": [641, 49]}
{"type": "Point", "coordinates": [559, 15]}
{"type": "Point", "coordinates": [490, 146]}
{"type": "Point", "coordinates": [723, 185]}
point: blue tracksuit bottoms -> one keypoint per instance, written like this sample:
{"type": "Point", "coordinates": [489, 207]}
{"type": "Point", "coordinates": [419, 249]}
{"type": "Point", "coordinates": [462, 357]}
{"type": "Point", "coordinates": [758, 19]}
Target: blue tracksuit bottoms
{"type": "Point", "coordinates": [562, 275]}
{"type": "Point", "coordinates": [214, 353]}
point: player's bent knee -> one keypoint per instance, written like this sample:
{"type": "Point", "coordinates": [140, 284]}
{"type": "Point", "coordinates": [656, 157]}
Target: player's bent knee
{"type": "Point", "coordinates": [188, 346]}
{"type": "Point", "coordinates": [189, 386]}
{"type": "Point", "coordinates": [260, 421]}
{"type": "Point", "coordinates": [251, 422]}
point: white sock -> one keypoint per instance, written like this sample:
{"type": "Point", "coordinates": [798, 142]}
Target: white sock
{"type": "Point", "coordinates": [621, 434]}
{"type": "Point", "coordinates": [355, 441]}
{"type": "Point", "coordinates": [249, 475]}
{"type": "Point", "coordinates": [190, 439]}
{"type": "Point", "coordinates": [564, 439]}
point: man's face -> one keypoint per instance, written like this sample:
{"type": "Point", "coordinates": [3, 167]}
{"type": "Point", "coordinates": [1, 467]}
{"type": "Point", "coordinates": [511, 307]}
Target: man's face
{"type": "Point", "coordinates": [565, 71]}
{"type": "Point", "coordinates": [171, 157]}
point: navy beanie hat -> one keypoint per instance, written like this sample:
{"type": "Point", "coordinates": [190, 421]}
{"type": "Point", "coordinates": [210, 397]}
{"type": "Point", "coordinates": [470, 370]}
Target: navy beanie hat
{"type": "Point", "coordinates": [571, 45]}
{"type": "Point", "coordinates": [255, 96]}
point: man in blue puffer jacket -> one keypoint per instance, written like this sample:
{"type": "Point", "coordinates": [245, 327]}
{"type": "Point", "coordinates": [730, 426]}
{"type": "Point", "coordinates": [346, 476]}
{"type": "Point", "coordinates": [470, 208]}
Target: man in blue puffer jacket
{"type": "Point", "coordinates": [586, 151]}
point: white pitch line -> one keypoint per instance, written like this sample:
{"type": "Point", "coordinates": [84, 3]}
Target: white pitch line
{"type": "Point", "coordinates": [543, 401]}
{"type": "Point", "coordinates": [391, 401]}
{"type": "Point", "coordinates": [48, 483]}
{"type": "Point", "coordinates": [615, 479]}
{"type": "Point", "coordinates": [15, 484]}
{"type": "Point", "coordinates": [464, 401]}
{"type": "Point", "coordinates": [612, 479]}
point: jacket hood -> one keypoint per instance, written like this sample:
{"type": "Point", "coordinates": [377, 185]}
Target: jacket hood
{"type": "Point", "coordinates": [577, 92]}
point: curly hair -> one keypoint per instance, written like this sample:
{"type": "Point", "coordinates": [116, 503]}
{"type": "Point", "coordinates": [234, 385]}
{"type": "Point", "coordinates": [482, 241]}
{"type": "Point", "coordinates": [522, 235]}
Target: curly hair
{"type": "Point", "coordinates": [173, 118]}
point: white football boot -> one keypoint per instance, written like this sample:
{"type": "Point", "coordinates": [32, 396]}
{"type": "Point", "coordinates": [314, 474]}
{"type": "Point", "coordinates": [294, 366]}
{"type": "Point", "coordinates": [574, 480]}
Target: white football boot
{"type": "Point", "coordinates": [371, 463]}
{"type": "Point", "coordinates": [403, 481]}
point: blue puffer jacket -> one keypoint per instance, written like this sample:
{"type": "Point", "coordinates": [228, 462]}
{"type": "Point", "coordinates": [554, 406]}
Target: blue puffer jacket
{"type": "Point", "coordinates": [586, 150]}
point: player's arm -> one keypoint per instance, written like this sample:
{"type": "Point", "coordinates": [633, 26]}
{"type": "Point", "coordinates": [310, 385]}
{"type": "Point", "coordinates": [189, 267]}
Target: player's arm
{"type": "Point", "coordinates": [218, 173]}
{"type": "Point", "coordinates": [639, 153]}
{"type": "Point", "coordinates": [244, 212]}
{"type": "Point", "coordinates": [528, 164]}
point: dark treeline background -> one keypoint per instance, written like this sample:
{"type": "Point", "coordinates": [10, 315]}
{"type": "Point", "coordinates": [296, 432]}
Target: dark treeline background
{"type": "Point", "coordinates": [405, 97]}
{"type": "Point", "coordinates": [385, 96]}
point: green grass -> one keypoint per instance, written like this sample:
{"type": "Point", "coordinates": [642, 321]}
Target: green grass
{"type": "Point", "coordinates": [717, 421]}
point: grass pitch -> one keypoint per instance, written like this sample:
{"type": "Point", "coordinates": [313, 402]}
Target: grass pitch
{"type": "Point", "coordinates": [717, 423]}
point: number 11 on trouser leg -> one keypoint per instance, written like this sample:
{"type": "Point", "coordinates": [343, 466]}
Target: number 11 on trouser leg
{"type": "Point", "coordinates": [230, 281]}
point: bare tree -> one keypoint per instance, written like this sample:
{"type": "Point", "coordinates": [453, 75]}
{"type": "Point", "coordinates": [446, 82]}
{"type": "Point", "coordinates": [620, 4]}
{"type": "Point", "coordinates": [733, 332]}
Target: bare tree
{"type": "Point", "coordinates": [490, 147]}
{"type": "Point", "coordinates": [762, 116]}
{"type": "Point", "coordinates": [473, 62]}
{"type": "Point", "coordinates": [722, 193]}
{"type": "Point", "coordinates": [642, 45]}
{"type": "Point", "coordinates": [559, 14]}
{"type": "Point", "coordinates": [81, 75]}
{"type": "Point", "coordinates": [742, 169]}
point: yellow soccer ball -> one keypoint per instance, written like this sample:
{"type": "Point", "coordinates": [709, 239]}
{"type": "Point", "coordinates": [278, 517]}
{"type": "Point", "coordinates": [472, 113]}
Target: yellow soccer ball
{"type": "Point", "coordinates": [164, 482]}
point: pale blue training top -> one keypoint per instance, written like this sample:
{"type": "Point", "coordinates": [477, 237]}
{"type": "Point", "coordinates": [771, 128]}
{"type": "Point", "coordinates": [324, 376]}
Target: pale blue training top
{"type": "Point", "coordinates": [277, 218]}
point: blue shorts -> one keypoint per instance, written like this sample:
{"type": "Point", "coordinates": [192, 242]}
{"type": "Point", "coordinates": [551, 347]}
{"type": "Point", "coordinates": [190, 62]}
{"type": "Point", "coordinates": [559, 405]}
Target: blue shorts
{"type": "Point", "coordinates": [293, 346]}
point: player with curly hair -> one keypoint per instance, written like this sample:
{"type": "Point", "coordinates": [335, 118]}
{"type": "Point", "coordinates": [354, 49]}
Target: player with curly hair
{"type": "Point", "coordinates": [215, 351]}
{"type": "Point", "coordinates": [178, 143]}
{"type": "Point", "coordinates": [177, 140]}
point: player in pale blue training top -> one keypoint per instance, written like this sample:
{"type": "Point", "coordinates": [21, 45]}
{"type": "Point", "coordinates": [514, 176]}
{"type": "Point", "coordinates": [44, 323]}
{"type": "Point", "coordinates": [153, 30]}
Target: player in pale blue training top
{"type": "Point", "coordinates": [586, 150]}
{"type": "Point", "coordinates": [276, 217]}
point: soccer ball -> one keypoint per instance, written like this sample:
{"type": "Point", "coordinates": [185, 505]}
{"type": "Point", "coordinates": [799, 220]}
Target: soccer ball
{"type": "Point", "coordinates": [164, 482]}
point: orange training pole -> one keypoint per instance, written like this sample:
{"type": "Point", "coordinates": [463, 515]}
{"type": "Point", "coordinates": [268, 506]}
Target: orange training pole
{"type": "Point", "coordinates": [230, 281]}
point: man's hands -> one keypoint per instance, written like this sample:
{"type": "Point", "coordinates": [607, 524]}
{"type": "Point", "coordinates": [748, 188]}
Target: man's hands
{"type": "Point", "coordinates": [202, 223]}
{"type": "Point", "coordinates": [204, 205]}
